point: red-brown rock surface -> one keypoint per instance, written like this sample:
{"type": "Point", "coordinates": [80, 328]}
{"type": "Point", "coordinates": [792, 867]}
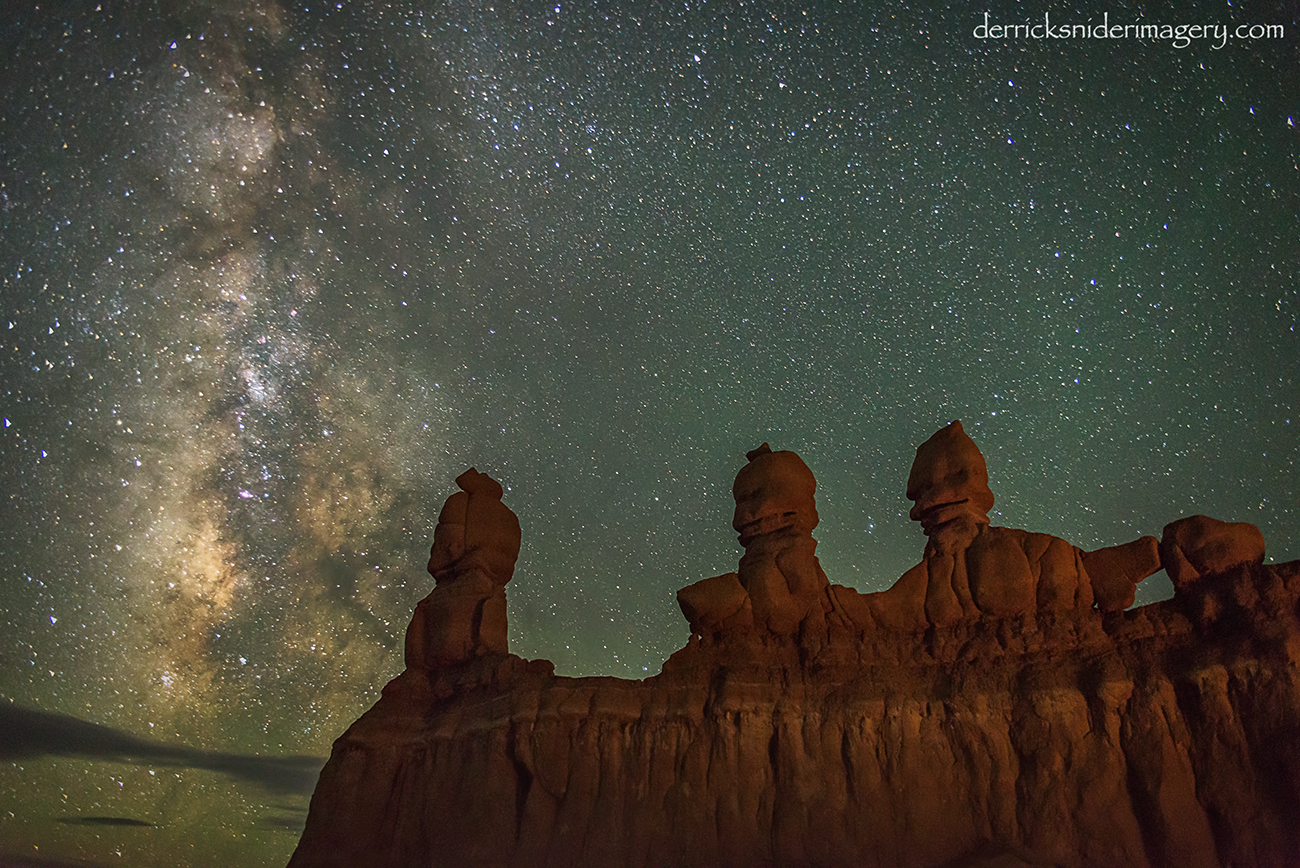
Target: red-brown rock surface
{"type": "Point", "coordinates": [475, 546]}
{"type": "Point", "coordinates": [971, 569]}
{"type": "Point", "coordinates": [801, 727]}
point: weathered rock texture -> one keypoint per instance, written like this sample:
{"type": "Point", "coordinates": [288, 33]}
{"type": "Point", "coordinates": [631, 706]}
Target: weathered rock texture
{"type": "Point", "coordinates": [805, 724]}
{"type": "Point", "coordinates": [475, 546]}
{"type": "Point", "coordinates": [972, 569]}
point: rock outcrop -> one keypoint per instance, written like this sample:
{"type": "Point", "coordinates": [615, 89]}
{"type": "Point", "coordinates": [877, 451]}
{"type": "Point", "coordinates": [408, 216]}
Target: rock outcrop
{"type": "Point", "coordinates": [780, 589]}
{"type": "Point", "coordinates": [475, 546]}
{"type": "Point", "coordinates": [996, 706]}
{"type": "Point", "coordinates": [973, 570]}
{"type": "Point", "coordinates": [1199, 545]}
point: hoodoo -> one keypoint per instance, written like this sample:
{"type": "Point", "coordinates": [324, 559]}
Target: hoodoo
{"type": "Point", "coordinates": [1001, 704]}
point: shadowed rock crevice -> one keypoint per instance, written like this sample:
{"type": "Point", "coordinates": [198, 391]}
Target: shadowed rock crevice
{"type": "Point", "coordinates": [1000, 704]}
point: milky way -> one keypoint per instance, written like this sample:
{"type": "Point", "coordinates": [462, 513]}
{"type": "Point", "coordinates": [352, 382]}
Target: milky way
{"type": "Point", "coordinates": [274, 275]}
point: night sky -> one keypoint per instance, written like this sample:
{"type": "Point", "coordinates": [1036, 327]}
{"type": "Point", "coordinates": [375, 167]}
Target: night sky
{"type": "Point", "coordinates": [274, 274]}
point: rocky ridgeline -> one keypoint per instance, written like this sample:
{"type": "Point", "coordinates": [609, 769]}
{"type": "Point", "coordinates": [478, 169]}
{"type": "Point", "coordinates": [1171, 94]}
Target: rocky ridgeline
{"type": "Point", "coordinates": [999, 705]}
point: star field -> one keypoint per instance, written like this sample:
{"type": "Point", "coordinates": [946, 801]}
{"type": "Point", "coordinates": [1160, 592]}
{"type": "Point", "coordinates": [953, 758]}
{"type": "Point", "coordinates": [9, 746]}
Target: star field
{"type": "Point", "coordinates": [274, 274]}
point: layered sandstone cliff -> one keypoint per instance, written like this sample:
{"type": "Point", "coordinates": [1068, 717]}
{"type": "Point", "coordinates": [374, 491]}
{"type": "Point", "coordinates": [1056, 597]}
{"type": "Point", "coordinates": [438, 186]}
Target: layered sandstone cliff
{"type": "Point", "coordinates": [997, 706]}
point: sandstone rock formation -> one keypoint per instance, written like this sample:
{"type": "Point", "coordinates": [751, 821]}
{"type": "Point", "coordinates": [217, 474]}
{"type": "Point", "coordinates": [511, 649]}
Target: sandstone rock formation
{"type": "Point", "coordinates": [1001, 709]}
{"type": "Point", "coordinates": [972, 569]}
{"type": "Point", "coordinates": [475, 546]}
{"type": "Point", "coordinates": [780, 588]}
{"type": "Point", "coordinates": [1200, 545]}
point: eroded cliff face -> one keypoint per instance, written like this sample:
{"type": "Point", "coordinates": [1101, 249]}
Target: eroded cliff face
{"type": "Point", "coordinates": [805, 724]}
{"type": "Point", "coordinates": [1165, 735]}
